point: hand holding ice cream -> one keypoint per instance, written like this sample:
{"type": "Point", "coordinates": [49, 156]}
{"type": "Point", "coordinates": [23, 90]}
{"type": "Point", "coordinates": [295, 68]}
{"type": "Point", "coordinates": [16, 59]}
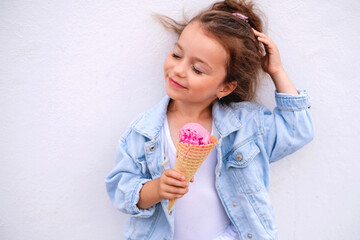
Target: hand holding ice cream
{"type": "Point", "coordinates": [172, 185]}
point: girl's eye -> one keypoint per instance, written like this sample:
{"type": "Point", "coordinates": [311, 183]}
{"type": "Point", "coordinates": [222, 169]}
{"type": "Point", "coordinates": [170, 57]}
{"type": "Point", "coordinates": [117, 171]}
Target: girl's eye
{"type": "Point", "coordinates": [193, 67]}
{"type": "Point", "coordinates": [196, 71]}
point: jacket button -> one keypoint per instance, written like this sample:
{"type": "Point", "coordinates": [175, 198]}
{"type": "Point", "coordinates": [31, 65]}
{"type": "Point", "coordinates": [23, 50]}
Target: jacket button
{"type": "Point", "coordinates": [170, 213]}
{"type": "Point", "coordinates": [152, 148]}
{"type": "Point", "coordinates": [249, 235]}
{"type": "Point", "coordinates": [238, 157]}
{"type": "Point", "coordinates": [234, 204]}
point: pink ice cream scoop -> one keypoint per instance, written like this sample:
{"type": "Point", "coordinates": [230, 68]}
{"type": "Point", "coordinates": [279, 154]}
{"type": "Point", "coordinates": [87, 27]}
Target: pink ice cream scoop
{"type": "Point", "coordinates": [195, 134]}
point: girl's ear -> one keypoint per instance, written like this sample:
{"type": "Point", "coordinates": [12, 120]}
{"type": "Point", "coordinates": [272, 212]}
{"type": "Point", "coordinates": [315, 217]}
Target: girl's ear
{"type": "Point", "coordinates": [226, 89]}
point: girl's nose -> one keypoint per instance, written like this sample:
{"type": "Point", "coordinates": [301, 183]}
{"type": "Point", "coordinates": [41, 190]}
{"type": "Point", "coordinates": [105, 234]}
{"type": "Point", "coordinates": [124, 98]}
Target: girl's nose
{"type": "Point", "coordinates": [180, 68]}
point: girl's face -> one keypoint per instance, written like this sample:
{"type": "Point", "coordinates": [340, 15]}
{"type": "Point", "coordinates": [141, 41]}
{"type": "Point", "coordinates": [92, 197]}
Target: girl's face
{"type": "Point", "coordinates": [196, 68]}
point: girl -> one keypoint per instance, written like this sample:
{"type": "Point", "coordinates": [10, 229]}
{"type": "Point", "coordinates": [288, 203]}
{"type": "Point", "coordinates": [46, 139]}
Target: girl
{"type": "Point", "coordinates": [210, 79]}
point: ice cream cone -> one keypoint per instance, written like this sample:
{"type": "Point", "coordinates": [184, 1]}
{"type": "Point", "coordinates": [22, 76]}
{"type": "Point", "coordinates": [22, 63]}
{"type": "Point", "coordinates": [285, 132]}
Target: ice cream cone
{"type": "Point", "coordinates": [189, 158]}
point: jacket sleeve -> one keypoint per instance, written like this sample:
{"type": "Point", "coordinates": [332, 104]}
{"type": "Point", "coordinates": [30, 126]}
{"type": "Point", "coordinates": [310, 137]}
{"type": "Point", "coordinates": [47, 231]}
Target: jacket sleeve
{"type": "Point", "coordinates": [125, 181]}
{"type": "Point", "coordinates": [289, 127]}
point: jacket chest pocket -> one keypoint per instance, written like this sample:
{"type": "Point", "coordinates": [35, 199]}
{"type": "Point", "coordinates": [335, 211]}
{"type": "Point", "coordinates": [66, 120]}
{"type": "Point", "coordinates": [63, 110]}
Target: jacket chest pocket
{"type": "Point", "coordinates": [244, 168]}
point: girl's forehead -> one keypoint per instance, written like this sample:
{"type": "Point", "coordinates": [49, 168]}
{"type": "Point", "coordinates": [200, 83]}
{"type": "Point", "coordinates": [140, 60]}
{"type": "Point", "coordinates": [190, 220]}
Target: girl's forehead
{"type": "Point", "coordinates": [195, 40]}
{"type": "Point", "coordinates": [194, 31]}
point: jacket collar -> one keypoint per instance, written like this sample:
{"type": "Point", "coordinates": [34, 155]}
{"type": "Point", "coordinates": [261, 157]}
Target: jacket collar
{"type": "Point", "coordinates": [150, 124]}
{"type": "Point", "coordinates": [152, 121]}
{"type": "Point", "coordinates": [225, 119]}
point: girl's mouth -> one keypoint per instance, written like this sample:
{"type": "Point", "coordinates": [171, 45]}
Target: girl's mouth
{"type": "Point", "coordinates": [175, 84]}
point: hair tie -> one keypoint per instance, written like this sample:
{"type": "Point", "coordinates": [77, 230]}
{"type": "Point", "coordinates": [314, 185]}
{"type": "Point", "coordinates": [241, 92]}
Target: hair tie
{"type": "Point", "coordinates": [243, 17]}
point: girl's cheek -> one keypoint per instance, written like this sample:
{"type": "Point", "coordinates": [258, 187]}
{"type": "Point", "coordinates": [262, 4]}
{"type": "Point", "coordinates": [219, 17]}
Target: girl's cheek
{"type": "Point", "coordinates": [170, 62]}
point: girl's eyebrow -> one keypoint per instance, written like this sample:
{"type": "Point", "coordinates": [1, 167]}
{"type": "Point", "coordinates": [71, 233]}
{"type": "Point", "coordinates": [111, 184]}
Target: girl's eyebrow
{"type": "Point", "coordinates": [196, 58]}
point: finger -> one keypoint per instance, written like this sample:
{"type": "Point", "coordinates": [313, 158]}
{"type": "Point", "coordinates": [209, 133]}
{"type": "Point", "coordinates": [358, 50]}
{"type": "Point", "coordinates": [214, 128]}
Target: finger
{"type": "Point", "coordinates": [259, 34]}
{"type": "Point", "coordinates": [262, 37]}
{"type": "Point", "coordinates": [174, 174]}
{"type": "Point", "coordinates": [175, 190]}
{"type": "Point", "coordinates": [174, 196]}
{"type": "Point", "coordinates": [265, 41]}
{"type": "Point", "coordinates": [176, 183]}
{"type": "Point", "coordinates": [269, 45]}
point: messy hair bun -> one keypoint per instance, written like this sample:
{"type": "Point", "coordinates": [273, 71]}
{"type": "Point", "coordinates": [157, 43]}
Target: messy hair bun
{"type": "Point", "coordinates": [234, 33]}
{"type": "Point", "coordinates": [243, 7]}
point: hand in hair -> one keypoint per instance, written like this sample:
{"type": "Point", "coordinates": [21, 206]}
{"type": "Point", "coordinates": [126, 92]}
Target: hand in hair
{"type": "Point", "coordinates": [271, 63]}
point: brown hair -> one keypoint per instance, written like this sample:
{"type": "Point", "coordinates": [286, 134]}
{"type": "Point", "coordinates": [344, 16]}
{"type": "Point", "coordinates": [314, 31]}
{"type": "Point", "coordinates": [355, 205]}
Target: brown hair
{"type": "Point", "coordinates": [236, 36]}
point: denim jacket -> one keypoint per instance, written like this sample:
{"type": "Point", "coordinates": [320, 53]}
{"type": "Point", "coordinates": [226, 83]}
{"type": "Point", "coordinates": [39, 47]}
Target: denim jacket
{"type": "Point", "coordinates": [250, 137]}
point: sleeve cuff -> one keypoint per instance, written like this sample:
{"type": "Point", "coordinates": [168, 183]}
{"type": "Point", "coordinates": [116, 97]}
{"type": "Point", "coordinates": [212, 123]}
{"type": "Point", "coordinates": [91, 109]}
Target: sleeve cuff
{"type": "Point", "coordinates": [289, 102]}
{"type": "Point", "coordinates": [137, 212]}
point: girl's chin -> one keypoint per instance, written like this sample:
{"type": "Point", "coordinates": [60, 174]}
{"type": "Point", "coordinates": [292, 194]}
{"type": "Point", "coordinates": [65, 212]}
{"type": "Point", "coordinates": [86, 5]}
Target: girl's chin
{"type": "Point", "coordinates": [173, 95]}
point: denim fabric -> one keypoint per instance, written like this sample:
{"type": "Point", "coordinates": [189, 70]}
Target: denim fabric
{"type": "Point", "coordinates": [250, 138]}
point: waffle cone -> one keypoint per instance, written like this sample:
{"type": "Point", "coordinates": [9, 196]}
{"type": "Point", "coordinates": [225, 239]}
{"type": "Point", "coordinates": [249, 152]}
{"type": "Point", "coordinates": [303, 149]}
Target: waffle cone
{"type": "Point", "coordinates": [189, 158]}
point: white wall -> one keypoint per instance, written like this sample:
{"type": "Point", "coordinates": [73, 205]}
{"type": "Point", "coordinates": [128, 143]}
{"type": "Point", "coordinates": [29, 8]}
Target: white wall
{"type": "Point", "coordinates": [74, 73]}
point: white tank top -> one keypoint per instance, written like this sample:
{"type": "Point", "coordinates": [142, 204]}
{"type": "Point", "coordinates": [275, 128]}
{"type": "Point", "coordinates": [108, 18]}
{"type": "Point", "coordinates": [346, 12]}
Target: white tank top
{"type": "Point", "coordinates": [199, 214]}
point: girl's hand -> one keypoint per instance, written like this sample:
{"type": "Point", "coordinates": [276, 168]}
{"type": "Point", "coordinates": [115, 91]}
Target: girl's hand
{"type": "Point", "coordinates": [271, 62]}
{"type": "Point", "coordinates": [172, 185]}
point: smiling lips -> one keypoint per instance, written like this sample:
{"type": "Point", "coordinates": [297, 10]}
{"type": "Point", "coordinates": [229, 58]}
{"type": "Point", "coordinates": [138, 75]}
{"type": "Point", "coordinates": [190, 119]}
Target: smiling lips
{"type": "Point", "coordinates": [175, 84]}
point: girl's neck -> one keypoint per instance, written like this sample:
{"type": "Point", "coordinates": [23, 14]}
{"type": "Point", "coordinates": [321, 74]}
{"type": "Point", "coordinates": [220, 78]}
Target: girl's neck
{"type": "Point", "coordinates": [190, 112]}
